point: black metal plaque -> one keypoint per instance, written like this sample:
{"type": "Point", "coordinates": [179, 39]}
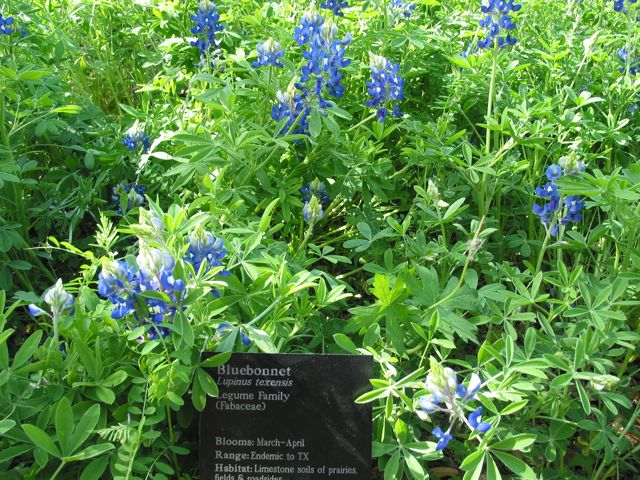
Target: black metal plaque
{"type": "Point", "coordinates": [288, 417]}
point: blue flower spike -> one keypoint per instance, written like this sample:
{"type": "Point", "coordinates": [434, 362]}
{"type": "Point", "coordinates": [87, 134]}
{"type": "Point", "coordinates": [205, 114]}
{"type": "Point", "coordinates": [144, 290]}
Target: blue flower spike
{"type": "Point", "coordinates": [402, 8]}
{"type": "Point", "coordinates": [136, 139]}
{"type": "Point", "coordinates": [207, 24]}
{"type": "Point", "coordinates": [559, 210]}
{"type": "Point", "coordinates": [497, 21]}
{"type": "Point", "coordinates": [5, 25]}
{"type": "Point", "coordinates": [269, 54]}
{"type": "Point", "coordinates": [335, 6]}
{"type": "Point", "coordinates": [386, 87]}
{"type": "Point", "coordinates": [124, 284]}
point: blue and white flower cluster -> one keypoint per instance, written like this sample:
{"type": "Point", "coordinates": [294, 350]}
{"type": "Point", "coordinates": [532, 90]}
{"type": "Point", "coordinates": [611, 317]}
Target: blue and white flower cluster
{"type": "Point", "coordinates": [320, 75]}
{"type": "Point", "coordinates": [5, 25]}
{"type": "Point", "coordinates": [559, 210]}
{"type": "Point", "coordinates": [293, 106]}
{"type": "Point", "coordinates": [623, 5]}
{"type": "Point", "coordinates": [325, 57]}
{"type": "Point", "coordinates": [497, 20]}
{"type": "Point", "coordinates": [335, 6]}
{"type": "Point", "coordinates": [634, 61]}
{"type": "Point", "coordinates": [126, 285]}
{"type": "Point", "coordinates": [136, 139]}
{"type": "Point", "coordinates": [207, 24]}
{"type": "Point", "coordinates": [386, 87]}
{"type": "Point", "coordinates": [450, 397]}
{"type": "Point", "coordinates": [402, 8]}
{"type": "Point", "coordinates": [269, 53]}
{"type": "Point", "coordinates": [60, 302]}
{"type": "Point", "coordinates": [314, 198]}
{"type": "Point", "coordinates": [134, 194]}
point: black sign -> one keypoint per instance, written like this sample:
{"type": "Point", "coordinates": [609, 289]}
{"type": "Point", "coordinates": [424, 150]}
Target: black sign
{"type": "Point", "coordinates": [288, 417]}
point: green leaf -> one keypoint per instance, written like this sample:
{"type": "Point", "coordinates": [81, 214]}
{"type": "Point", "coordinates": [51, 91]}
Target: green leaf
{"type": "Point", "coordinates": [27, 350]}
{"type": "Point", "coordinates": [345, 343]}
{"type": "Point", "coordinates": [517, 442]}
{"type": "Point", "coordinates": [216, 360]}
{"type": "Point", "coordinates": [105, 395]}
{"type": "Point", "coordinates": [175, 399]}
{"type": "Point", "coordinates": [513, 407]}
{"type": "Point", "coordinates": [6, 334]}
{"type": "Point", "coordinates": [261, 338]}
{"type": "Point", "coordinates": [33, 74]}
{"type": "Point", "coordinates": [116, 378]}
{"type": "Point", "coordinates": [391, 469]}
{"type": "Point", "coordinates": [207, 383]}
{"type": "Point", "coordinates": [315, 124]}
{"type": "Point", "coordinates": [493, 473]}
{"type": "Point", "coordinates": [7, 454]}
{"type": "Point", "coordinates": [198, 397]}
{"type": "Point", "coordinates": [90, 452]}
{"type": "Point", "coordinates": [516, 465]}
{"type": "Point", "coordinates": [95, 469]}
{"type": "Point", "coordinates": [64, 425]}
{"type": "Point", "coordinates": [6, 425]}
{"type": "Point", "coordinates": [85, 427]}
{"type": "Point", "coordinates": [414, 467]}
{"type": "Point", "coordinates": [584, 398]}
{"type": "Point", "coordinates": [41, 439]}
{"type": "Point", "coordinates": [70, 109]}
{"type": "Point", "coordinates": [265, 220]}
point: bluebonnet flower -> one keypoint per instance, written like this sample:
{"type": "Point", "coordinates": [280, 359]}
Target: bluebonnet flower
{"type": "Point", "coordinates": [325, 57]}
{"type": "Point", "coordinates": [135, 138]}
{"type": "Point", "coordinates": [475, 420]}
{"type": "Point", "coordinates": [402, 8]}
{"type": "Point", "coordinates": [634, 61]}
{"type": "Point", "coordinates": [226, 328]}
{"type": "Point", "coordinates": [335, 6]}
{"type": "Point", "coordinates": [309, 27]}
{"type": "Point", "coordinates": [206, 26]}
{"type": "Point", "coordinates": [554, 172]}
{"type": "Point", "coordinates": [443, 438]}
{"type": "Point", "coordinates": [314, 197]}
{"type": "Point", "coordinates": [573, 206]}
{"type": "Point", "coordinates": [446, 395]}
{"type": "Point", "coordinates": [312, 210]}
{"type": "Point", "coordinates": [125, 285]}
{"type": "Point", "coordinates": [315, 188]}
{"type": "Point", "coordinates": [497, 20]}
{"type": "Point", "coordinates": [204, 247]}
{"type": "Point", "coordinates": [5, 25]}
{"type": "Point", "coordinates": [295, 108]}
{"type": "Point", "coordinates": [386, 87]}
{"type": "Point", "coordinates": [269, 53]}
{"type": "Point", "coordinates": [135, 195]}
{"type": "Point", "coordinates": [60, 302]}
{"type": "Point", "coordinates": [119, 283]}
{"type": "Point", "coordinates": [557, 211]}
{"type": "Point", "coordinates": [621, 5]}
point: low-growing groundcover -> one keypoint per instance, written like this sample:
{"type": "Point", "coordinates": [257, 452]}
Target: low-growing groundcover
{"type": "Point", "coordinates": [451, 187]}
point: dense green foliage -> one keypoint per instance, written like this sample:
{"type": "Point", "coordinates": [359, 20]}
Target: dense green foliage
{"type": "Point", "coordinates": [427, 249]}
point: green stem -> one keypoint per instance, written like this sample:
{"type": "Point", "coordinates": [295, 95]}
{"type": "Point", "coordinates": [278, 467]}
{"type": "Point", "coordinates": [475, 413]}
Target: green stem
{"type": "Point", "coordinates": [58, 470]}
{"type": "Point", "coordinates": [464, 269]}
{"type": "Point", "coordinates": [482, 201]}
{"type": "Point", "coordinates": [543, 249]}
